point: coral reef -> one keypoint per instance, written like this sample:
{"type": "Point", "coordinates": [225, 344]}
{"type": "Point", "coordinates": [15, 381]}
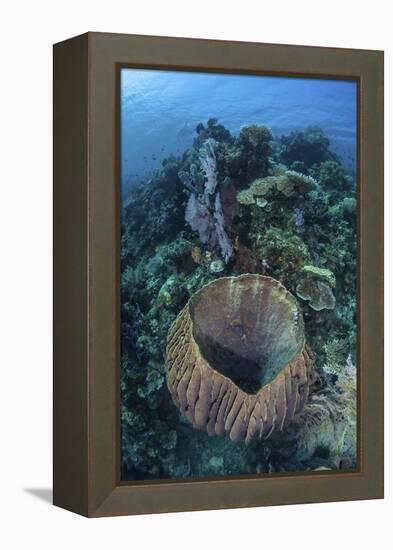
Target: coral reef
{"type": "Point", "coordinates": [185, 227]}
{"type": "Point", "coordinates": [236, 335]}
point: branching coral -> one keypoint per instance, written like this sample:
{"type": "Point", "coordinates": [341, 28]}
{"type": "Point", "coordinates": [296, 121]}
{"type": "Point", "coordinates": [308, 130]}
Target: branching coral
{"type": "Point", "coordinates": [283, 251]}
{"type": "Point", "coordinates": [346, 385]}
{"type": "Point", "coordinates": [335, 353]}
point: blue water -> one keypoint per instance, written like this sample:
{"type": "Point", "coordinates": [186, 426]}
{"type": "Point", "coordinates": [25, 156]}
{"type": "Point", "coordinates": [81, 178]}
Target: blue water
{"type": "Point", "coordinates": [160, 110]}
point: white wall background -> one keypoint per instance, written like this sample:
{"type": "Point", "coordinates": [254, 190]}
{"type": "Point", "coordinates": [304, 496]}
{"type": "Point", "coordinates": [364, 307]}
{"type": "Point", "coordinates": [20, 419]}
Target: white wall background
{"type": "Point", "coordinates": [28, 28]}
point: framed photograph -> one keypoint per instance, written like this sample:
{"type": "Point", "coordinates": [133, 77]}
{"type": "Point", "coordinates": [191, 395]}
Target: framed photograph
{"type": "Point", "coordinates": [218, 274]}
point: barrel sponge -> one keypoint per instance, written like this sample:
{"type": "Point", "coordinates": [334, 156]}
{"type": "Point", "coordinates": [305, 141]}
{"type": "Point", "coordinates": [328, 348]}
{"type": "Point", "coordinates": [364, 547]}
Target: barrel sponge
{"type": "Point", "coordinates": [237, 361]}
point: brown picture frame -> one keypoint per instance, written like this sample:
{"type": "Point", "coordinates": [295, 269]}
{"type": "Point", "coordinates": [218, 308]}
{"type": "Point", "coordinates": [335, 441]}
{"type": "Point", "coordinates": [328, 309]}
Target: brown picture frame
{"type": "Point", "coordinates": [86, 274]}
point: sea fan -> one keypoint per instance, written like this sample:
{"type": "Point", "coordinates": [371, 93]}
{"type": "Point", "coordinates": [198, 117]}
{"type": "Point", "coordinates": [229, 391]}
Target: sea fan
{"type": "Point", "coordinates": [198, 216]}
{"type": "Point", "coordinates": [207, 158]}
{"type": "Point", "coordinates": [224, 243]}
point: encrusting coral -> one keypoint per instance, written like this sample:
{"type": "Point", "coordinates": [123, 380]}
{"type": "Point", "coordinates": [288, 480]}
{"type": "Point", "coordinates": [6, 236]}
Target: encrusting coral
{"type": "Point", "coordinates": [320, 273]}
{"type": "Point", "coordinates": [316, 287]}
{"type": "Point", "coordinates": [236, 332]}
{"type": "Point", "coordinates": [317, 293]}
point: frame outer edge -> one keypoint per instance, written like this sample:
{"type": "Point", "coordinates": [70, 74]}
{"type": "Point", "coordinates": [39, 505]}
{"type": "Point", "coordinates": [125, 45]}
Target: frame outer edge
{"type": "Point", "coordinates": [70, 272]}
{"type": "Point", "coordinates": [372, 268]}
{"type": "Point", "coordinates": [105, 495]}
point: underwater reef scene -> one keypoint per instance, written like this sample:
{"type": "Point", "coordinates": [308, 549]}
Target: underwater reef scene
{"type": "Point", "coordinates": [254, 373]}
